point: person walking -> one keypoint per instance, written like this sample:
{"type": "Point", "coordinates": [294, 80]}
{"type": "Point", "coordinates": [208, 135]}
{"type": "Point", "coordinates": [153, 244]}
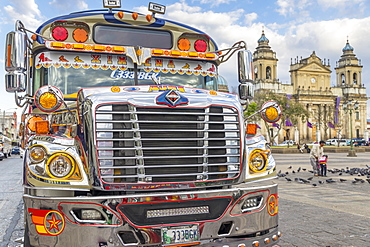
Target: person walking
{"type": "Point", "coordinates": [317, 151]}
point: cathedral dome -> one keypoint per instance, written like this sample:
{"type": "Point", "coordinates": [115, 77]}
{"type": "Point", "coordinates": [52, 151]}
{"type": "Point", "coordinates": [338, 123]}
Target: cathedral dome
{"type": "Point", "coordinates": [348, 47]}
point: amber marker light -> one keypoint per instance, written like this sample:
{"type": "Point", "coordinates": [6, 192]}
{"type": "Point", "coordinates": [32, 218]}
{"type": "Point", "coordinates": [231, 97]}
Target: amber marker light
{"type": "Point", "coordinates": [31, 124]}
{"type": "Point", "coordinates": [135, 16]}
{"type": "Point", "coordinates": [120, 14]}
{"type": "Point", "coordinates": [149, 18]}
{"type": "Point", "coordinates": [42, 127]}
{"type": "Point", "coordinates": [183, 44]}
{"type": "Point", "coordinates": [80, 35]}
{"type": "Point", "coordinates": [251, 129]}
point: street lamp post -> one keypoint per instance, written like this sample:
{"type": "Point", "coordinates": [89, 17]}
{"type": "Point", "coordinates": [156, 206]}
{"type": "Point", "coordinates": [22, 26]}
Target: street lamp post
{"type": "Point", "coordinates": [348, 107]}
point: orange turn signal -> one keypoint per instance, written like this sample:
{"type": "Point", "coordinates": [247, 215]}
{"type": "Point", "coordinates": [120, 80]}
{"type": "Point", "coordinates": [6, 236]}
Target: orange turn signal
{"type": "Point", "coordinates": [42, 127]}
{"type": "Point", "coordinates": [31, 124]}
{"type": "Point", "coordinates": [251, 129]}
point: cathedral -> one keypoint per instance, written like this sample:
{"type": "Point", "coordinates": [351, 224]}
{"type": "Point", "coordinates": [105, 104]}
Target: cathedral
{"type": "Point", "coordinates": [337, 111]}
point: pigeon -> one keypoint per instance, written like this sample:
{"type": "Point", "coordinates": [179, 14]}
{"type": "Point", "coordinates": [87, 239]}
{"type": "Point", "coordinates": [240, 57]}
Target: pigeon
{"type": "Point", "coordinates": [314, 185]}
{"type": "Point", "coordinates": [305, 181]}
{"type": "Point", "coordinates": [342, 180]}
{"type": "Point", "coordinates": [288, 179]}
{"type": "Point", "coordinates": [310, 178]}
{"type": "Point", "coordinates": [299, 169]}
{"type": "Point", "coordinates": [340, 174]}
{"type": "Point", "coordinates": [330, 180]}
{"type": "Point", "coordinates": [304, 169]}
{"type": "Point", "coordinates": [290, 167]}
{"type": "Point", "coordinates": [321, 182]}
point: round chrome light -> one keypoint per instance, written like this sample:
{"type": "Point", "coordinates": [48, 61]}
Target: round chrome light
{"type": "Point", "coordinates": [61, 166]}
{"type": "Point", "coordinates": [37, 154]}
{"type": "Point", "coordinates": [48, 98]}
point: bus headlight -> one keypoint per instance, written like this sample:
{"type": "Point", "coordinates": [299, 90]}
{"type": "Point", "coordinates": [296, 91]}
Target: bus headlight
{"type": "Point", "coordinates": [60, 165]}
{"type": "Point", "coordinates": [258, 160]}
{"type": "Point", "coordinates": [37, 154]}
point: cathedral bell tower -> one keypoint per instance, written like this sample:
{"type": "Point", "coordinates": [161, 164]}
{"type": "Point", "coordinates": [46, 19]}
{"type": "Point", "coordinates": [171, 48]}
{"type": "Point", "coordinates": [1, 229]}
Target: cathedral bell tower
{"type": "Point", "coordinates": [264, 62]}
{"type": "Point", "coordinates": [348, 69]}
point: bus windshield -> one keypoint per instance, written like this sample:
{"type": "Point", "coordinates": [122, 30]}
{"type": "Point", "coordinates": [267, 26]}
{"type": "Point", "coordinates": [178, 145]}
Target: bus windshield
{"type": "Point", "coordinates": [72, 71]}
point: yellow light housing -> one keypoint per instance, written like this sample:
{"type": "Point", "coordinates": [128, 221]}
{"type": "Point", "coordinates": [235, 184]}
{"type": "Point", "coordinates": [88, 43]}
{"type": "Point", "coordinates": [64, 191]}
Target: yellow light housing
{"type": "Point", "coordinates": [158, 52]}
{"type": "Point", "coordinates": [193, 54]}
{"type": "Point", "coordinates": [78, 46]}
{"type": "Point", "coordinates": [99, 47]}
{"type": "Point", "coordinates": [61, 165]}
{"type": "Point", "coordinates": [176, 53]}
{"type": "Point", "coordinates": [48, 98]}
{"type": "Point", "coordinates": [57, 44]}
{"type": "Point", "coordinates": [210, 55]}
{"type": "Point", "coordinates": [118, 49]}
{"type": "Point", "coordinates": [257, 161]}
{"type": "Point", "coordinates": [37, 154]}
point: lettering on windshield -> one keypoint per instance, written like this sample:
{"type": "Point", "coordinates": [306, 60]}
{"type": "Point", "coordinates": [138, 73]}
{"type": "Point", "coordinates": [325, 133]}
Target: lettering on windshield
{"type": "Point", "coordinates": [119, 74]}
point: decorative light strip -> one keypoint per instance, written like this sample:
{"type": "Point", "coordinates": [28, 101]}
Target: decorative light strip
{"type": "Point", "coordinates": [69, 46]}
{"type": "Point", "coordinates": [177, 211]}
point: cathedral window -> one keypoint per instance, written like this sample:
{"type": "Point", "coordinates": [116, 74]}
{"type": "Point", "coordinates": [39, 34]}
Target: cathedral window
{"type": "Point", "coordinates": [268, 72]}
{"type": "Point", "coordinates": [343, 78]}
{"type": "Point", "coordinates": [354, 78]}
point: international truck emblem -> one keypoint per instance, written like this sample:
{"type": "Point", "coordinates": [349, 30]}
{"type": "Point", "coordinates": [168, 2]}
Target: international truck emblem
{"type": "Point", "coordinates": [171, 98]}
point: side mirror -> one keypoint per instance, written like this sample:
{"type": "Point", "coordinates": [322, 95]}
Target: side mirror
{"type": "Point", "coordinates": [16, 61]}
{"type": "Point", "coordinates": [246, 91]}
{"type": "Point", "coordinates": [16, 51]}
{"type": "Point", "coordinates": [15, 81]}
{"type": "Point", "coordinates": [245, 66]}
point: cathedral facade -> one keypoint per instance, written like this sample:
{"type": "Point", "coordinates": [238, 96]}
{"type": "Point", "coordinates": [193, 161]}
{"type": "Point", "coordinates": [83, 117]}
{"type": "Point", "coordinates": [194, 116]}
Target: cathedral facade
{"type": "Point", "coordinates": [336, 111]}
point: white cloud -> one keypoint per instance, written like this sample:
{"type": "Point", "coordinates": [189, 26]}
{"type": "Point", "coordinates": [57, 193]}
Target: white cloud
{"type": "Point", "coordinates": [215, 2]}
{"type": "Point", "coordinates": [295, 8]}
{"type": "Point", "coordinates": [338, 3]}
{"type": "Point", "coordinates": [249, 18]}
{"type": "Point", "coordinates": [69, 5]}
{"type": "Point", "coordinates": [31, 16]}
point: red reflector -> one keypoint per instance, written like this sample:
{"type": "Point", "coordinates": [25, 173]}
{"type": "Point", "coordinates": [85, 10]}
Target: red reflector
{"type": "Point", "coordinates": [60, 33]}
{"type": "Point", "coordinates": [200, 45]}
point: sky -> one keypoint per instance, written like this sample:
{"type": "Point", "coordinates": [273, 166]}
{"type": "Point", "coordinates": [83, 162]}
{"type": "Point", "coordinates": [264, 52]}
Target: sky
{"type": "Point", "coordinates": [295, 28]}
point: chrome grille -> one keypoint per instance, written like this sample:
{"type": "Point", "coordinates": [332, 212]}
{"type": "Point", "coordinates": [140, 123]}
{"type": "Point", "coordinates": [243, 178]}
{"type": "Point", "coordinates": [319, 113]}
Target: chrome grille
{"type": "Point", "coordinates": [160, 145]}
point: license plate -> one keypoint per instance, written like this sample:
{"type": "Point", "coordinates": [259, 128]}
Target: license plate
{"type": "Point", "coordinates": [180, 234]}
